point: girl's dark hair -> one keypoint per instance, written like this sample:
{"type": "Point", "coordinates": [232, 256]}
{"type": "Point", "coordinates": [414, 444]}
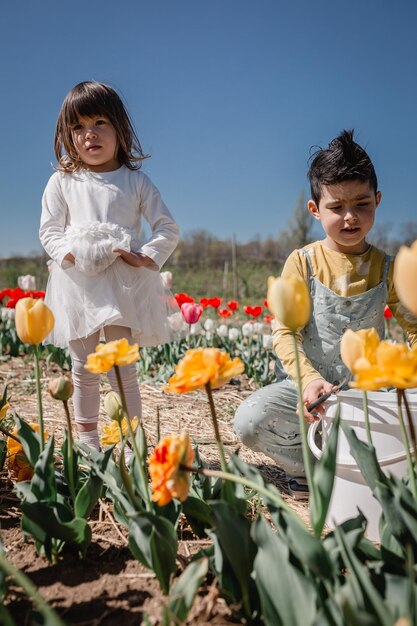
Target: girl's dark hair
{"type": "Point", "coordinates": [89, 99]}
{"type": "Point", "coordinates": [344, 159]}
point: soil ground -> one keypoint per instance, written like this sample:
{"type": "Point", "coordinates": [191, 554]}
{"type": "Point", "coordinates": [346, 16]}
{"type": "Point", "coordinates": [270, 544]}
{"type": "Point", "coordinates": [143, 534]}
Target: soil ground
{"type": "Point", "coordinates": [110, 587]}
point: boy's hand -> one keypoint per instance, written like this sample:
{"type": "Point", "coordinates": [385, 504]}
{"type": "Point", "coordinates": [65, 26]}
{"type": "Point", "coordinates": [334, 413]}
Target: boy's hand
{"type": "Point", "coordinates": [313, 390]}
{"type": "Point", "coordinates": [136, 259]}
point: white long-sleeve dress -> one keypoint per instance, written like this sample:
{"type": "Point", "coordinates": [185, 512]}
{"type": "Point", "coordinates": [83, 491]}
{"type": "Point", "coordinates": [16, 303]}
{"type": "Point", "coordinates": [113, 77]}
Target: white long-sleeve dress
{"type": "Point", "coordinates": [86, 209]}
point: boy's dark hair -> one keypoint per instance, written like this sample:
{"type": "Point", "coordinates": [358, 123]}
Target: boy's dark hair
{"type": "Point", "coordinates": [89, 99]}
{"type": "Point", "coordinates": [344, 159]}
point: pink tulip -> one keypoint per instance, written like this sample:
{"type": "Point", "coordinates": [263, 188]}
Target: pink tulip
{"type": "Point", "coordinates": [191, 312]}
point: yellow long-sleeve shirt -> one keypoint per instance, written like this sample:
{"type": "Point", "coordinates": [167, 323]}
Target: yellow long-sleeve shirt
{"type": "Point", "coordinates": [346, 275]}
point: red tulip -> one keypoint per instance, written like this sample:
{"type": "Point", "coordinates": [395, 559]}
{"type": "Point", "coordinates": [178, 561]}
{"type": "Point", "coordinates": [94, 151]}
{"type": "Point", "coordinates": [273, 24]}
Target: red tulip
{"type": "Point", "coordinates": [224, 312]}
{"type": "Point", "coordinates": [233, 305]}
{"type": "Point", "coordinates": [387, 313]}
{"type": "Point", "coordinates": [191, 312]}
{"type": "Point", "coordinates": [205, 302]}
{"type": "Point", "coordinates": [215, 302]}
{"type": "Point", "coordinates": [266, 305]}
{"type": "Point", "coordinates": [183, 297]}
{"type": "Point", "coordinates": [268, 319]}
{"type": "Point", "coordinates": [253, 311]}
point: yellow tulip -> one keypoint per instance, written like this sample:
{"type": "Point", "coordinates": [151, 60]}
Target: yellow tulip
{"type": "Point", "coordinates": [34, 320]}
{"type": "Point", "coordinates": [3, 410]}
{"type": "Point", "coordinates": [112, 433]}
{"type": "Point", "coordinates": [118, 352]}
{"type": "Point", "coordinates": [168, 479]}
{"type": "Point", "coordinates": [289, 300]}
{"type": "Point", "coordinates": [201, 366]}
{"type": "Point", "coordinates": [375, 363]}
{"type": "Point", "coordinates": [405, 273]}
{"type": "Point", "coordinates": [355, 345]}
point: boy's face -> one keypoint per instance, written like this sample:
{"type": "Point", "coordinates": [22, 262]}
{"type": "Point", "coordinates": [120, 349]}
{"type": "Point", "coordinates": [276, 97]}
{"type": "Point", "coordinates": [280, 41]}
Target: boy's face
{"type": "Point", "coordinates": [346, 211]}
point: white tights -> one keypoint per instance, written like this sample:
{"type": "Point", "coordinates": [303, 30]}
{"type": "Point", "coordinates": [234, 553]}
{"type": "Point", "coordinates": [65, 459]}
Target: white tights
{"type": "Point", "coordinates": [86, 398]}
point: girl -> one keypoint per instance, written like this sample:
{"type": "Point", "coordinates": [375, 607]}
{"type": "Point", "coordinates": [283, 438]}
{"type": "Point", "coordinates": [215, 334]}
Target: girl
{"type": "Point", "coordinates": [104, 279]}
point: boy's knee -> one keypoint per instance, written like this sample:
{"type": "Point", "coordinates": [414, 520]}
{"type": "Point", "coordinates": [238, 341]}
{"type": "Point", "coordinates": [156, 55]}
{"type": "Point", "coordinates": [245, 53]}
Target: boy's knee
{"type": "Point", "coordinates": [244, 425]}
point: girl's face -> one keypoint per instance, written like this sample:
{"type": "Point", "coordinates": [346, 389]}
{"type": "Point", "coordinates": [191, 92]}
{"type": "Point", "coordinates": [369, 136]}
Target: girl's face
{"type": "Point", "coordinates": [95, 140]}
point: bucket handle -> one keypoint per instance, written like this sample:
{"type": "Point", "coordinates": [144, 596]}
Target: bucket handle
{"type": "Point", "coordinates": [386, 460]}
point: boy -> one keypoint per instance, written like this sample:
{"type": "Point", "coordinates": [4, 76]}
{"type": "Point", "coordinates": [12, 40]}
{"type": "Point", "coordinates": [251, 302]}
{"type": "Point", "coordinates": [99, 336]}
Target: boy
{"type": "Point", "coordinates": [350, 282]}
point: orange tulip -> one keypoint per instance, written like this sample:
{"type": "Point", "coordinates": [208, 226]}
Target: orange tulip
{"type": "Point", "coordinates": [201, 366]}
{"type": "Point", "coordinates": [168, 479]}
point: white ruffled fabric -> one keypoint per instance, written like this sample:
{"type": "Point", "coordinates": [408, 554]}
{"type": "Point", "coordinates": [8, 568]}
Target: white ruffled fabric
{"type": "Point", "coordinates": [102, 290]}
{"type": "Point", "coordinates": [92, 245]}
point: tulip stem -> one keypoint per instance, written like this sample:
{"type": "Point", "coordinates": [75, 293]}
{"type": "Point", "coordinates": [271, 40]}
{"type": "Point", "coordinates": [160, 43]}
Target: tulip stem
{"type": "Point", "coordinates": [276, 498]}
{"type": "Point", "coordinates": [70, 450]}
{"type": "Point", "coordinates": [39, 394]}
{"type": "Point", "coordinates": [139, 459]}
{"type": "Point", "coordinates": [366, 415]}
{"type": "Point", "coordinates": [303, 428]}
{"type": "Point", "coordinates": [410, 425]}
{"type": "Point", "coordinates": [223, 462]}
{"type": "Point", "coordinates": [406, 444]}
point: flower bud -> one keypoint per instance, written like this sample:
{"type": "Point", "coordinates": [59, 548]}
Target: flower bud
{"type": "Point", "coordinates": [405, 271]}
{"type": "Point", "coordinates": [34, 320]}
{"type": "Point", "coordinates": [61, 388]}
{"type": "Point", "coordinates": [191, 312]}
{"type": "Point", "coordinates": [289, 300]}
{"type": "Point", "coordinates": [113, 406]}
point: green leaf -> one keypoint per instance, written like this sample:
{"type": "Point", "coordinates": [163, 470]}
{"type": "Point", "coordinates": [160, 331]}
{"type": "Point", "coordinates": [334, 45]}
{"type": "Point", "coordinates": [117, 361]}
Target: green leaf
{"type": "Point", "coordinates": [153, 541]}
{"type": "Point", "coordinates": [233, 532]}
{"type": "Point", "coordinates": [289, 600]}
{"type": "Point", "coordinates": [365, 457]}
{"type": "Point", "coordinates": [184, 591]}
{"type": "Point", "coordinates": [198, 515]}
{"type": "Point", "coordinates": [29, 439]}
{"type": "Point", "coordinates": [323, 479]}
{"type": "Point", "coordinates": [88, 495]}
{"type": "Point", "coordinates": [3, 452]}
{"type": "Point", "coordinates": [69, 472]}
{"type": "Point", "coordinates": [42, 485]}
{"type": "Point", "coordinates": [365, 594]}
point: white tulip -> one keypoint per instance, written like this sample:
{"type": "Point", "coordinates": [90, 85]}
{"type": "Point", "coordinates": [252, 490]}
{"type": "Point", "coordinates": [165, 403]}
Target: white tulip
{"type": "Point", "coordinates": [222, 330]}
{"type": "Point", "coordinates": [258, 327]}
{"type": "Point", "coordinates": [209, 324]}
{"type": "Point", "coordinates": [233, 334]}
{"type": "Point", "coordinates": [195, 328]}
{"type": "Point", "coordinates": [247, 329]}
{"type": "Point", "coordinates": [4, 314]}
{"type": "Point", "coordinates": [267, 342]}
{"type": "Point", "coordinates": [176, 322]}
{"type": "Point", "coordinates": [209, 335]}
{"type": "Point", "coordinates": [27, 282]}
{"type": "Point", "coordinates": [167, 279]}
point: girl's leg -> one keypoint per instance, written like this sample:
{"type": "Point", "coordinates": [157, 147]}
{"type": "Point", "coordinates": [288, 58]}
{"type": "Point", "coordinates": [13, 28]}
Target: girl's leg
{"type": "Point", "coordinates": [128, 373]}
{"type": "Point", "coordinates": [86, 398]}
{"type": "Point", "coordinates": [267, 422]}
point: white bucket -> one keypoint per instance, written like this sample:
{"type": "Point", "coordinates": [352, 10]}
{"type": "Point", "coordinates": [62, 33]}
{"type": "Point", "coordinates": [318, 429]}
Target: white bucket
{"type": "Point", "coordinates": [350, 490]}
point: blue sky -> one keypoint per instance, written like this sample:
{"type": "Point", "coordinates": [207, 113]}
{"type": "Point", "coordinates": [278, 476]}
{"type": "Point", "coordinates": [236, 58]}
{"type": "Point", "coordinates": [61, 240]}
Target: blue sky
{"type": "Point", "coordinates": [227, 96]}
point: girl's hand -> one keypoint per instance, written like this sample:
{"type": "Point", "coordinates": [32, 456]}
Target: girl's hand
{"type": "Point", "coordinates": [313, 390]}
{"type": "Point", "coordinates": [136, 259]}
{"type": "Point", "coordinates": [69, 257]}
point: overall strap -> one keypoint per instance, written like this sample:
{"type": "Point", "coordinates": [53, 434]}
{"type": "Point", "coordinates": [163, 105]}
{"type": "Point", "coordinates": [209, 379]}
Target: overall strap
{"type": "Point", "coordinates": [305, 253]}
{"type": "Point", "coordinates": [388, 260]}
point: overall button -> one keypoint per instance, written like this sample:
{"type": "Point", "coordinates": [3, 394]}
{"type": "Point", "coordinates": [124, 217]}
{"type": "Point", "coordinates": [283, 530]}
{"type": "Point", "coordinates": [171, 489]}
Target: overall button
{"type": "Point", "coordinates": [348, 303]}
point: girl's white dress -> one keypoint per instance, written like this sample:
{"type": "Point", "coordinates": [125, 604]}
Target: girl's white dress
{"type": "Point", "coordinates": [90, 214]}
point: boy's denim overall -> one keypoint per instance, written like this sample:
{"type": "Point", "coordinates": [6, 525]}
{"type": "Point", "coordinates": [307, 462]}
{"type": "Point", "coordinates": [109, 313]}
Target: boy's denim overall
{"type": "Point", "coordinates": [267, 421]}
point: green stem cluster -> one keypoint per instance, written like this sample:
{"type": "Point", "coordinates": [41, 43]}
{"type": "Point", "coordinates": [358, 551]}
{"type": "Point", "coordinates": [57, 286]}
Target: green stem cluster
{"type": "Point", "coordinates": [137, 453]}
{"type": "Point", "coordinates": [39, 395]}
{"type": "Point", "coordinates": [411, 470]}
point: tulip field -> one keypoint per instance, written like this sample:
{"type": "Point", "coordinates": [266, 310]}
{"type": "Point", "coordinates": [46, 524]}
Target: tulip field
{"type": "Point", "coordinates": [173, 521]}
